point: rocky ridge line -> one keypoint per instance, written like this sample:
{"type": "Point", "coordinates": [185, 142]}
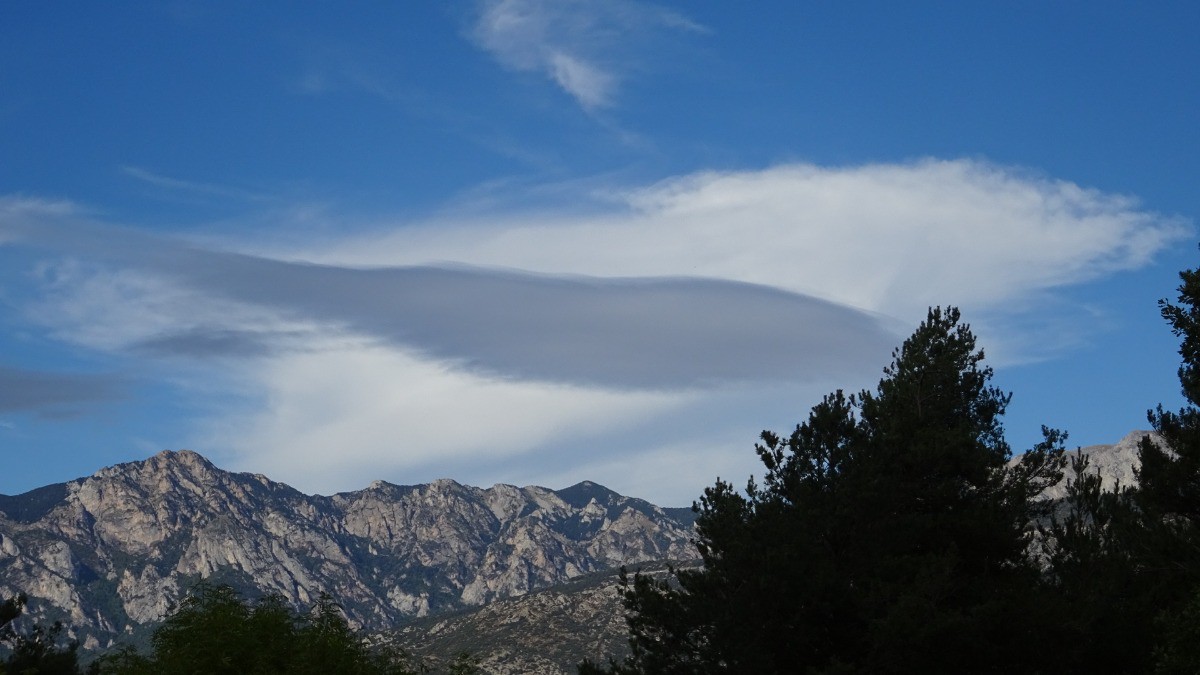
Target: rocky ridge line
{"type": "Point", "coordinates": [111, 552]}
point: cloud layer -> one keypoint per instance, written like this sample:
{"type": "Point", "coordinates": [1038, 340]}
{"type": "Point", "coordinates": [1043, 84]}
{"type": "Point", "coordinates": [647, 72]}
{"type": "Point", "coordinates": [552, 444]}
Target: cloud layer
{"type": "Point", "coordinates": [164, 298]}
{"type": "Point", "coordinates": [524, 343]}
{"type": "Point", "coordinates": [54, 395]}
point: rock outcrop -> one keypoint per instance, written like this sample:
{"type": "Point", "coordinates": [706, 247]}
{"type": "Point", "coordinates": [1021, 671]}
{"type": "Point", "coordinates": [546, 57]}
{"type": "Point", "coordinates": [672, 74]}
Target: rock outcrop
{"type": "Point", "coordinates": [1115, 464]}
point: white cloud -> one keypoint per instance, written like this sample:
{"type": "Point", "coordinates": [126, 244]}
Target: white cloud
{"type": "Point", "coordinates": [119, 309]}
{"type": "Point", "coordinates": [889, 238]}
{"type": "Point", "coordinates": [590, 85]}
{"type": "Point", "coordinates": [337, 419]}
{"type": "Point", "coordinates": [583, 46]}
{"type": "Point", "coordinates": [19, 213]}
{"type": "Point", "coordinates": [332, 401]}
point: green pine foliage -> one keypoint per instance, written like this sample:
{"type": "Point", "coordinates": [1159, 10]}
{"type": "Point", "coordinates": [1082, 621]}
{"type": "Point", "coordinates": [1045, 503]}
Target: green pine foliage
{"type": "Point", "coordinates": [216, 632]}
{"type": "Point", "coordinates": [1092, 579]}
{"type": "Point", "coordinates": [1125, 564]}
{"type": "Point", "coordinates": [889, 535]}
{"type": "Point", "coordinates": [37, 651]}
{"type": "Point", "coordinates": [1168, 498]}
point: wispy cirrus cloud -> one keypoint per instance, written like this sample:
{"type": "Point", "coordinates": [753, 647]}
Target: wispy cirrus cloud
{"type": "Point", "coordinates": [583, 47]}
{"type": "Point", "coordinates": [178, 185]}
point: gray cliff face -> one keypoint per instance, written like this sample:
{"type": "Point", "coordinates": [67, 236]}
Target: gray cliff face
{"type": "Point", "coordinates": [111, 552]}
{"type": "Point", "coordinates": [1115, 464]}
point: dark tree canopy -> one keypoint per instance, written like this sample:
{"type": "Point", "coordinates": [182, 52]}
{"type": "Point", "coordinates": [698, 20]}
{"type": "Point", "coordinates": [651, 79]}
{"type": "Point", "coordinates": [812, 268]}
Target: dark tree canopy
{"type": "Point", "coordinates": [1125, 564]}
{"type": "Point", "coordinates": [215, 631]}
{"type": "Point", "coordinates": [1168, 499]}
{"type": "Point", "coordinates": [889, 534]}
{"type": "Point", "coordinates": [37, 651]}
{"type": "Point", "coordinates": [1169, 482]}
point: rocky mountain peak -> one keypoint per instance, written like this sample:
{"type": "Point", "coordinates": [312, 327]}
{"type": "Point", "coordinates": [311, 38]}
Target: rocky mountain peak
{"type": "Point", "coordinates": [164, 473]}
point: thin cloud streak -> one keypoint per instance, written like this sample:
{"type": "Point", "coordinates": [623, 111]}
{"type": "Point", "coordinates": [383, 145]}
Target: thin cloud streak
{"type": "Point", "coordinates": [192, 187]}
{"type": "Point", "coordinates": [55, 395]}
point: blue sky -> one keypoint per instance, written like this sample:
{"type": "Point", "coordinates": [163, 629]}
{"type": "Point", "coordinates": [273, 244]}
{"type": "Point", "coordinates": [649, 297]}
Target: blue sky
{"type": "Point", "coordinates": [539, 242]}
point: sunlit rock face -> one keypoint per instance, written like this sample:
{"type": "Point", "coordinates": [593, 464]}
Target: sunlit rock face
{"type": "Point", "coordinates": [113, 551]}
{"type": "Point", "coordinates": [1115, 464]}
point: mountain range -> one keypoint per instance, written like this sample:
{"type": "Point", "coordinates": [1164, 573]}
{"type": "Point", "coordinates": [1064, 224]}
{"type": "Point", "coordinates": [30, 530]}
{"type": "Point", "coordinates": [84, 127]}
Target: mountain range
{"type": "Point", "coordinates": [110, 553]}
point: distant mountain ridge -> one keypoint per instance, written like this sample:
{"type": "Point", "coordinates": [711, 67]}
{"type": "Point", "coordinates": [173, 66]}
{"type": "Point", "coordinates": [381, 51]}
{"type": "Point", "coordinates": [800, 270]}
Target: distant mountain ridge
{"type": "Point", "coordinates": [109, 553]}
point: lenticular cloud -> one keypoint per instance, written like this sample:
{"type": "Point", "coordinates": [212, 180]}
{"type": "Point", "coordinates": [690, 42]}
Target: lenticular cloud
{"type": "Point", "coordinates": [889, 238]}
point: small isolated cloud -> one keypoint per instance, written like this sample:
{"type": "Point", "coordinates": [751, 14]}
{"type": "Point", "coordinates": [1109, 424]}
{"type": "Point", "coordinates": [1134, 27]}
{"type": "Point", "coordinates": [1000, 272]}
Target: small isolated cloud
{"type": "Point", "coordinates": [590, 85]}
{"type": "Point", "coordinates": [20, 215]}
{"type": "Point", "coordinates": [582, 46]}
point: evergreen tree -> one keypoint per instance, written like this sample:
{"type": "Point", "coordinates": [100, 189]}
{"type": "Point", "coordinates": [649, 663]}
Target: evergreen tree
{"type": "Point", "coordinates": [1105, 614]}
{"type": "Point", "coordinates": [890, 534]}
{"type": "Point", "coordinates": [1168, 498]}
{"type": "Point", "coordinates": [214, 631]}
{"type": "Point", "coordinates": [1169, 480]}
{"type": "Point", "coordinates": [37, 651]}
{"type": "Point", "coordinates": [1124, 564]}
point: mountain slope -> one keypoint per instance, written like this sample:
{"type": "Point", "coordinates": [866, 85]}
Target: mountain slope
{"type": "Point", "coordinates": [547, 632]}
{"type": "Point", "coordinates": [111, 552]}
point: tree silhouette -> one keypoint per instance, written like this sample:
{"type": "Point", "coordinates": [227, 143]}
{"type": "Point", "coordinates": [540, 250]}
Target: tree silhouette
{"type": "Point", "coordinates": [890, 534]}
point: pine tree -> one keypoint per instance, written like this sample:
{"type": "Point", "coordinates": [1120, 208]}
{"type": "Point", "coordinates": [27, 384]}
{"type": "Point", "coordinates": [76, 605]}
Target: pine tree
{"type": "Point", "coordinates": [1168, 497]}
{"type": "Point", "coordinates": [1169, 481]}
{"type": "Point", "coordinates": [1093, 581]}
{"type": "Point", "coordinates": [214, 630]}
{"type": "Point", "coordinates": [890, 534]}
{"type": "Point", "coordinates": [1124, 564]}
{"type": "Point", "coordinates": [37, 650]}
